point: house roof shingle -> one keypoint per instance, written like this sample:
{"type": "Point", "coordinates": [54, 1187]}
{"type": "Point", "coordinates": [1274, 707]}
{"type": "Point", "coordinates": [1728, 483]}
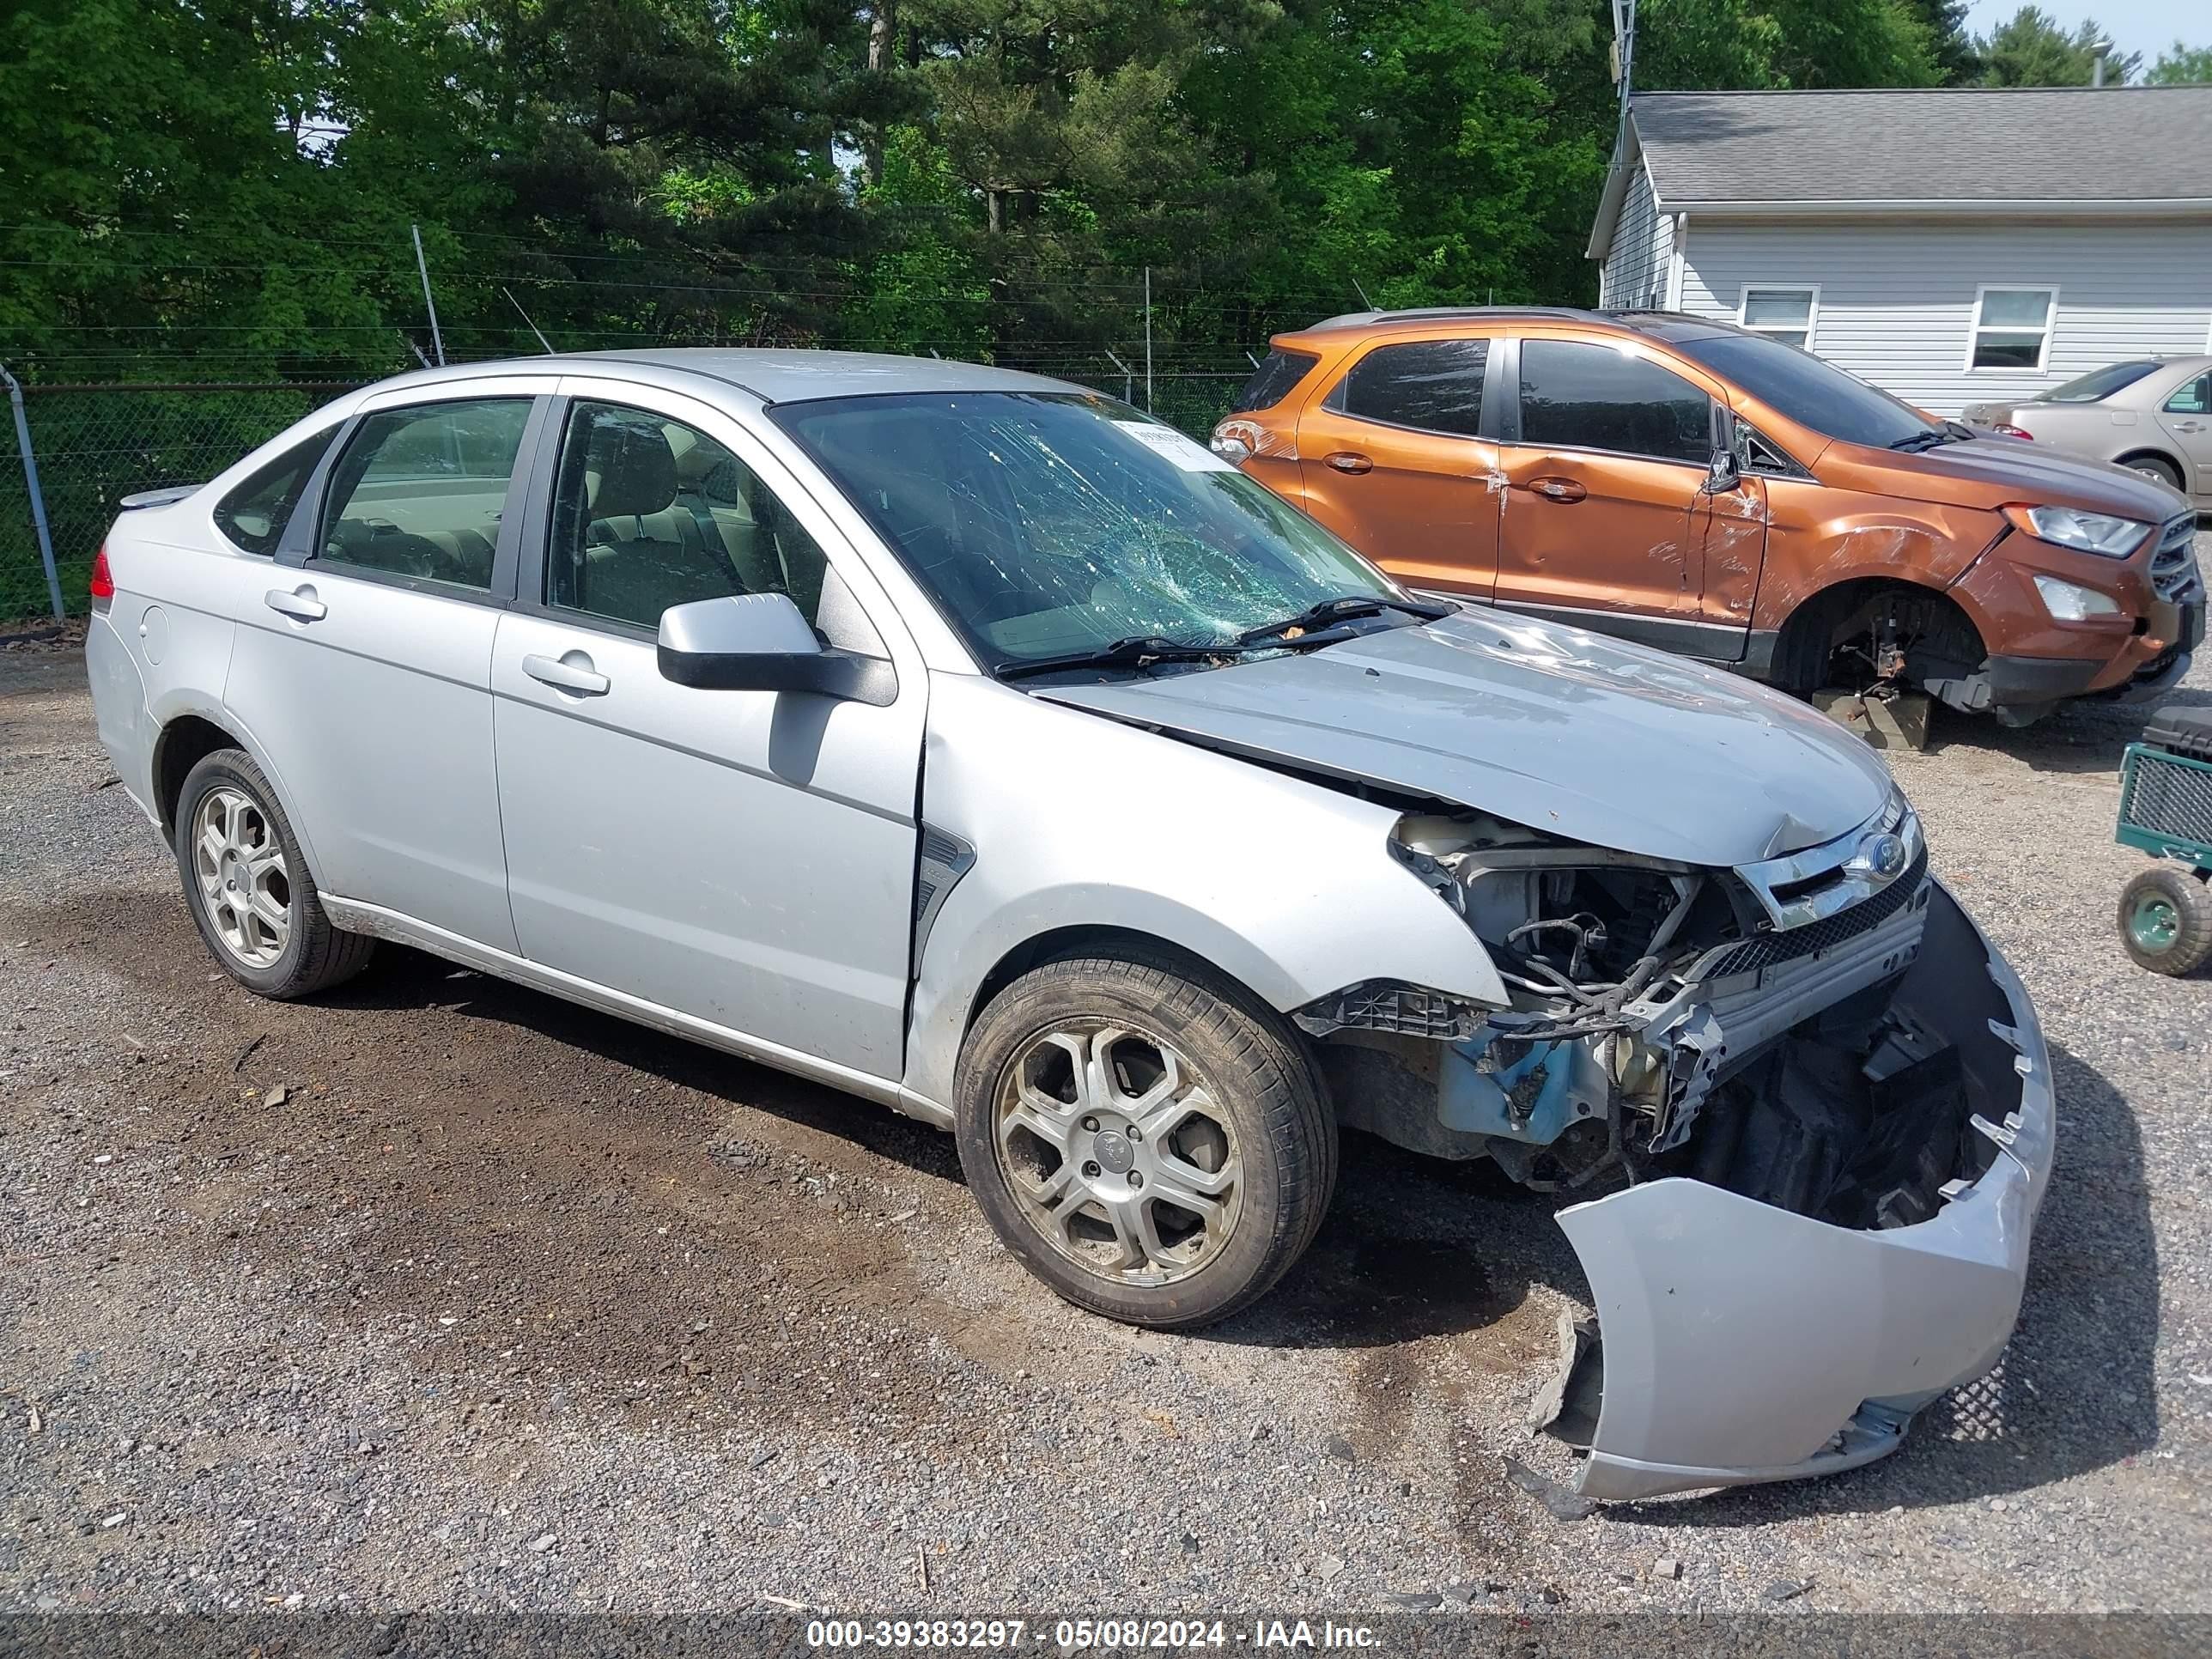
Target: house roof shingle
{"type": "Point", "coordinates": [2057, 144]}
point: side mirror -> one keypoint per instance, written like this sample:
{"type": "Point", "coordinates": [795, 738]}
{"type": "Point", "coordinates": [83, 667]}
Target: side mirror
{"type": "Point", "coordinates": [759, 643]}
{"type": "Point", "coordinates": [1722, 476]}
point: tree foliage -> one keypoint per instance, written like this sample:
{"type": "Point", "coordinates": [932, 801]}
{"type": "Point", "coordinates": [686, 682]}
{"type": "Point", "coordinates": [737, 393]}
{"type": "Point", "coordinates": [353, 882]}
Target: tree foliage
{"type": "Point", "coordinates": [2031, 49]}
{"type": "Point", "coordinates": [226, 188]}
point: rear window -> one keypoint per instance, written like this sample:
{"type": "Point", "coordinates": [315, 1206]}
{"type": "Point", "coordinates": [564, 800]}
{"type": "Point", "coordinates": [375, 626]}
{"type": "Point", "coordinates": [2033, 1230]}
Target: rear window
{"type": "Point", "coordinates": [1273, 381]}
{"type": "Point", "coordinates": [2100, 384]}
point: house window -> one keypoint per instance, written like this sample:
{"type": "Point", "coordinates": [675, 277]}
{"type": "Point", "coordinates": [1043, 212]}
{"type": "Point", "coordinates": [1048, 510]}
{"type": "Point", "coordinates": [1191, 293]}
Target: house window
{"type": "Point", "coordinates": [2012, 327]}
{"type": "Point", "coordinates": [1786, 313]}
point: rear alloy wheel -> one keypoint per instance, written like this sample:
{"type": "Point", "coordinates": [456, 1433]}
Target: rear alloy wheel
{"type": "Point", "coordinates": [2151, 467]}
{"type": "Point", "coordinates": [2166, 920]}
{"type": "Point", "coordinates": [1155, 1148]}
{"type": "Point", "coordinates": [248, 886]}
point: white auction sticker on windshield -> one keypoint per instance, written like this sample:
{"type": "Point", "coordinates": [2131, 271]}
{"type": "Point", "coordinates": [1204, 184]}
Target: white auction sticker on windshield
{"type": "Point", "coordinates": [1187, 453]}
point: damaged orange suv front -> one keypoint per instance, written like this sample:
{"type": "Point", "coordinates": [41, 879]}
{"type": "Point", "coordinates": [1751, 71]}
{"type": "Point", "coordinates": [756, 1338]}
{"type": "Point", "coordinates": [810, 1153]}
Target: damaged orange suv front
{"type": "Point", "coordinates": [1722, 495]}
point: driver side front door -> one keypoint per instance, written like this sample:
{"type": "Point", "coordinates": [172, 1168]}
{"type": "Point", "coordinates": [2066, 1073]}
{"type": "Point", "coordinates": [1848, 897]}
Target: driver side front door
{"type": "Point", "coordinates": [745, 859]}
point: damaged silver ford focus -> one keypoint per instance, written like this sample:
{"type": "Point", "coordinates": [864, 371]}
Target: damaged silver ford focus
{"type": "Point", "coordinates": [976, 745]}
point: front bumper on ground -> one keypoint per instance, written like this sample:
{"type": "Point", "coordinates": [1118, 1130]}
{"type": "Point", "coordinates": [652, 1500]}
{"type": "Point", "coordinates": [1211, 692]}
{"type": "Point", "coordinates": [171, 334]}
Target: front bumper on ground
{"type": "Point", "coordinates": [1740, 1343]}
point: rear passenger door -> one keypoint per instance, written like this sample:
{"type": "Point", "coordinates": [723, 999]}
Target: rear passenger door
{"type": "Point", "coordinates": [362, 661]}
{"type": "Point", "coordinates": [2186, 415]}
{"type": "Point", "coordinates": [1605, 458]}
{"type": "Point", "coordinates": [1393, 459]}
{"type": "Point", "coordinates": [744, 858]}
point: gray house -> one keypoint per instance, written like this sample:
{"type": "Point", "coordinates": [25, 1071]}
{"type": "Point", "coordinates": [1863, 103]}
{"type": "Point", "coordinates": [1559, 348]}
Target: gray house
{"type": "Point", "coordinates": [1950, 246]}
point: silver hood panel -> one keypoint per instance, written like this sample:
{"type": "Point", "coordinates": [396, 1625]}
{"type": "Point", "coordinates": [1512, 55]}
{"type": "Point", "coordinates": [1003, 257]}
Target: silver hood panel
{"type": "Point", "coordinates": [1549, 726]}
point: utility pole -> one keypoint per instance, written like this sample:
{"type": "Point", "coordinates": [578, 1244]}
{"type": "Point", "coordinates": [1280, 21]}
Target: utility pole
{"type": "Point", "coordinates": [422, 265]}
{"type": "Point", "coordinates": [1148, 339]}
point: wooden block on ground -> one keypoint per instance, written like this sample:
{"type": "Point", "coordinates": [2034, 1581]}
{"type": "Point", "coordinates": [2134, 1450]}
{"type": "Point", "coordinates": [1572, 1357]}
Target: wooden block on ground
{"type": "Point", "coordinates": [1893, 722]}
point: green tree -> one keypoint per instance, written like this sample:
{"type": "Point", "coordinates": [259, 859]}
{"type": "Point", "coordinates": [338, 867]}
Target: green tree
{"type": "Point", "coordinates": [1943, 22]}
{"type": "Point", "coordinates": [2181, 65]}
{"type": "Point", "coordinates": [1701, 44]}
{"type": "Point", "coordinates": [2030, 49]}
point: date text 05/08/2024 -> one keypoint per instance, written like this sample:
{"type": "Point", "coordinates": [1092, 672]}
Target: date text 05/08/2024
{"type": "Point", "coordinates": [1088, 1635]}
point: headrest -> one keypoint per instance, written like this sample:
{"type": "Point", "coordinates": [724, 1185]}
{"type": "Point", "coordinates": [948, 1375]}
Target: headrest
{"type": "Point", "coordinates": [705, 468]}
{"type": "Point", "coordinates": [629, 470]}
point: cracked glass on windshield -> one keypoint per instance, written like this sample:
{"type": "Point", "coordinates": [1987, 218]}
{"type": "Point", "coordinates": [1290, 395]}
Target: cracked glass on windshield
{"type": "Point", "coordinates": [1049, 524]}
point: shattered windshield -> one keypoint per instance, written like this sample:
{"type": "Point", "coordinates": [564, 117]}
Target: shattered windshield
{"type": "Point", "coordinates": [1050, 523]}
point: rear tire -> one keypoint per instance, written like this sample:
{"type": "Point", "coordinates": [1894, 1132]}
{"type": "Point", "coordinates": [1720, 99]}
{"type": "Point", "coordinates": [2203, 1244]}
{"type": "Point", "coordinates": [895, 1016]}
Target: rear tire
{"type": "Point", "coordinates": [1148, 1138]}
{"type": "Point", "coordinates": [2166, 920]}
{"type": "Point", "coordinates": [247, 884]}
{"type": "Point", "coordinates": [2154, 466]}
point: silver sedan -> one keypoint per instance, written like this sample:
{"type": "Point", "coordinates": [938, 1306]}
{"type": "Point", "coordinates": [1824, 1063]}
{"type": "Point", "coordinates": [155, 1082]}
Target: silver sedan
{"type": "Point", "coordinates": [2151, 415]}
{"type": "Point", "coordinates": [978, 746]}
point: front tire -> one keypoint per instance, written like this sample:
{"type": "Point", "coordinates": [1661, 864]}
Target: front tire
{"type": "Point", "coordinates": [248, 885]}
{"type": "Point", "coordinates": [2166, 920]}
{"type": "Point", "coordinates": [1147, 1139]}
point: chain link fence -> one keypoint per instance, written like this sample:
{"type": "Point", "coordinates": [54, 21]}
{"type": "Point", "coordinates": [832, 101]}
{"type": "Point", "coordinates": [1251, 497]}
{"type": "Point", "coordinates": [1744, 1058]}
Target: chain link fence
{"type": "Point", "coordinates": [94, 444]}
{"type": "Point", "coordinates": [97, 444]}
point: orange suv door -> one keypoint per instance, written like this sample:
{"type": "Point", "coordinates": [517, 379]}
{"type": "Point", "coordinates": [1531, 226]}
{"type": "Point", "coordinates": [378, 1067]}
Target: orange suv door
{"type": "Point", "coordinates": [1393, 461]}
{"type": "Point", "coordinates": [1606, 517]}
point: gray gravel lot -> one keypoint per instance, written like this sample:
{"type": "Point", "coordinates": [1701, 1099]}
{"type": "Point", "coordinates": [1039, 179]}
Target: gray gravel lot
{"type": "Point", "coordinates": [500, 1303]}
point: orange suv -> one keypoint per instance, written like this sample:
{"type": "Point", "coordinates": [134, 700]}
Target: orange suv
{"type": "Point", "coordinates": [1718, 493]}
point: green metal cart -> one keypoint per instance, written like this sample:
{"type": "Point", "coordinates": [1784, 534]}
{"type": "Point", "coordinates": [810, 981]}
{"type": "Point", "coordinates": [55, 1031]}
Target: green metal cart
{"type": "Point", "coordinates": [2165, 809]}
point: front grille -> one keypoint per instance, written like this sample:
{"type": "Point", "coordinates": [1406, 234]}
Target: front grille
{"type": "Point", "coordinates": [2167, 796]}
{"type": "Point", "coordinates": [2173, 575]}
{"type": "Point", "coordinates": [1768, 949]}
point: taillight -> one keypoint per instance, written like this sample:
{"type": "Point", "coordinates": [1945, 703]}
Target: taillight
{"type": "Point", "coordinates": [2020, 432]}
{"type": "Point", "coordinates": [103, 585]}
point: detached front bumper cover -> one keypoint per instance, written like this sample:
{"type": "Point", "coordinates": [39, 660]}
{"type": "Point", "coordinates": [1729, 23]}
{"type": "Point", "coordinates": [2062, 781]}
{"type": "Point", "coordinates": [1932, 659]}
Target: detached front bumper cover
{"type": "Point", "coordinates": [1738, 1342]}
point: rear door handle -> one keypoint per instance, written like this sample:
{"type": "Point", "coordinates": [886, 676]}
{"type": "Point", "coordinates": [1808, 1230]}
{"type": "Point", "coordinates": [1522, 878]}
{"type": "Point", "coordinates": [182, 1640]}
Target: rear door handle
{"type": "Point", "coordinates": [1560, 489]}
{"type": "Point", "coordinates": [2189, 426]}
{"type": "Point", "coordinates": [299, 603]}
{"type": "Point", "coordinates": [570, 671]}
{"type": "Point", "coordinates": [1346, 461]}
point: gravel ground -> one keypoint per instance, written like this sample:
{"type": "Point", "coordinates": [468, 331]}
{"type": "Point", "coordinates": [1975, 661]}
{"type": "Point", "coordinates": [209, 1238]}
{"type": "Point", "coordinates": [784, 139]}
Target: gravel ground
{"type": "Point", "coordinates": [442, 1295]}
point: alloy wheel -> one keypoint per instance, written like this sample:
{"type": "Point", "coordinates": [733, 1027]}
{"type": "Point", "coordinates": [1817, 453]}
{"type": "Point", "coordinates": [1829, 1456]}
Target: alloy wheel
{"type": "Point", "coordinates": [240, 864]}
{"type": "Point", "coordinates": [1117, 1152]}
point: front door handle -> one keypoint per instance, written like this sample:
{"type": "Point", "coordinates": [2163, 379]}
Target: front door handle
{"type": "Point", "coordinates": [299, 603]}
{"type": "Point", "coordinates": [1346, 461]}
{"type": "Point", "coordinates": [1560, 489]}
{"type": "Point", "coordinates": [572, 670]}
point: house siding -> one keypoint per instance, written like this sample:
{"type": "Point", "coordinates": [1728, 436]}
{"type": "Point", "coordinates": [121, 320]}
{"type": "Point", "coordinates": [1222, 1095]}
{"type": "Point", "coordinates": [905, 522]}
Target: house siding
{"type": "Point", "coordinates": [1897, 298]}
{"type": "Point", "coordinates": [1635, 270]}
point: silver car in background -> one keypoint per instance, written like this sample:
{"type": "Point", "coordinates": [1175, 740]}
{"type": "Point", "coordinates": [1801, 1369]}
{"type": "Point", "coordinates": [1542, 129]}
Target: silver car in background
{"type": "Point", "coordinates": [2151, 415]}
{"type": "Point", "coordinates": [973, 744]}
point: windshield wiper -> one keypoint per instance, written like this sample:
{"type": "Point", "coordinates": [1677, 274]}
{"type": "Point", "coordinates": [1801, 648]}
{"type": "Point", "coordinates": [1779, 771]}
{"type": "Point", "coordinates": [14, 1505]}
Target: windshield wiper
{"type": "Point", "coordinates": [1133, 652]}
{"type": "Point", "coordinates": [1341, 609]}
{"type": "Point", "coordinates": [1949, 433]}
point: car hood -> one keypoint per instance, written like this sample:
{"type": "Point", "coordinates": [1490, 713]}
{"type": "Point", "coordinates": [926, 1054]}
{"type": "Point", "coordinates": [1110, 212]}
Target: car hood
{"type": "Point", "coordinates": [1548, 726]}
{"type": "Point", "coordinates": [2011, 470]}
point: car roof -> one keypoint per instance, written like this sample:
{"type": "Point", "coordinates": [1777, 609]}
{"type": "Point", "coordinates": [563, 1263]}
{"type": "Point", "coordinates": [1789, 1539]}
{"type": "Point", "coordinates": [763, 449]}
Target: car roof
{"type": "Point", "coordinates": [773, 375]}
{"type": "Point", "coordinates": [1658, 324]}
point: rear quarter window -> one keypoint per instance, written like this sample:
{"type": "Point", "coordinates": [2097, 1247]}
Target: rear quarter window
{"type": "Point", "coordinates": [1273, 381]}
{"type": "Point", "coordinates": [252, 516]}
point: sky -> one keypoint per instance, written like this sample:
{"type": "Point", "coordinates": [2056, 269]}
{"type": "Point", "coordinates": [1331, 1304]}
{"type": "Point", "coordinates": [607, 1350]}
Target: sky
{"type": "Point", "coordinates": [2148, 27]}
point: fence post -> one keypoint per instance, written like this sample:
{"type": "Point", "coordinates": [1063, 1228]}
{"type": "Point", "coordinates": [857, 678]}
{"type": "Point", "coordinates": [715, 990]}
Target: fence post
{"type": "Point", "coordinates": [37, 501]}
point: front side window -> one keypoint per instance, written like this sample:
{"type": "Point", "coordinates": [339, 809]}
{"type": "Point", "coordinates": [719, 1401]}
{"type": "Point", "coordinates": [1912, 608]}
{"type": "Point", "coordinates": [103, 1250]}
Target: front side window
{"type": "Point", "coordinates": [254, 514]}
{"type": "Point", "coordinates": [1577, 395]}
{"type": "Point", "coordinates": [1781, 313]}
{"type": "Point", "coordinates": [1046, 524]}
{"type": "Point", "coordinates": [2194, 398]}
{"type": "Point", "coordinates": [1432, 386]}
{"type": "Point", "coordinates": [419, 491]}
{"type": "Point", "coordinates": [2012, 327]}
{"type": "Point", "coordinates": [650, 513]}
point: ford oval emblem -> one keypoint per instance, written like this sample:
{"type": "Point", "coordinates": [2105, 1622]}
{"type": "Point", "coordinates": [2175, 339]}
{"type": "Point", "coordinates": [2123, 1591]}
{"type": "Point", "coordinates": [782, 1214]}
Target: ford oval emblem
{"type": "Point", "coordinates": [1882, 856]}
